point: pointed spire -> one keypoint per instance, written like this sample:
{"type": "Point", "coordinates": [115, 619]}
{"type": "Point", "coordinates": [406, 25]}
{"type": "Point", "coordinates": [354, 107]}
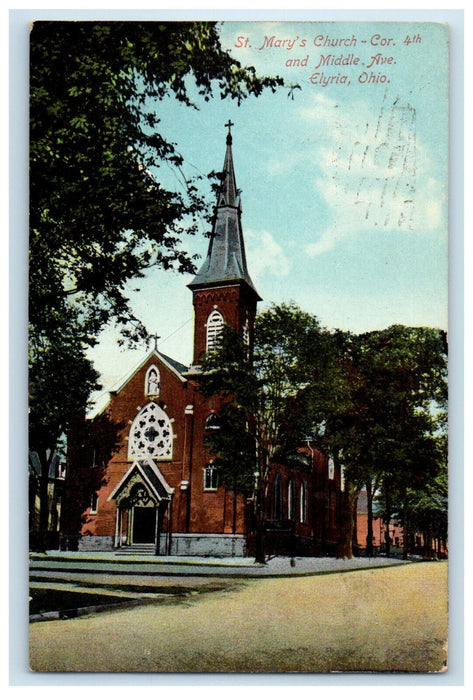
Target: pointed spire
{"type": "Point", "coordinates": [226, 257]}
{"type": "Point", "coordinates": [228, 191]}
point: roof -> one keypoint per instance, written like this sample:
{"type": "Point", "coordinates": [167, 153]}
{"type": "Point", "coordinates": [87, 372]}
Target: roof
{"type": "Point", "coordinates": [226, 257]}
{"type": "Point", "coordinates": [176, 367]}
{"type": "Point", "coordinates": [104, 399]}
{"type": "Point", "coordinates": [150, 475]}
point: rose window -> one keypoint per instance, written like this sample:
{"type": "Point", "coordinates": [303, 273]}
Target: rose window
{"type": "Point", "coordinates": [150, 434]}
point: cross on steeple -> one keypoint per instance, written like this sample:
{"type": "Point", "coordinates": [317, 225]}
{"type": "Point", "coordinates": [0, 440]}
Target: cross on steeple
{"type": "Point", "coordinates": [229, 124]}
{"type": "Point", "coordinates": [156, 338]}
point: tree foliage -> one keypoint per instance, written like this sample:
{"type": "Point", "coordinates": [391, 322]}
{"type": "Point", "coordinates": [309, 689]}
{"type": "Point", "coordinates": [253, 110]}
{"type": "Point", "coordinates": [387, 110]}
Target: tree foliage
{"type": "Point", "coordinates": [378, 415]}
{"type": "Point", "coordinates": [266, 386]}
{"type": "Point", "coordinates": [99, 217]}
{"type": "Point", "coordinates": [61, 379]}
{"type": "Point", "coordinates": [373, 402]}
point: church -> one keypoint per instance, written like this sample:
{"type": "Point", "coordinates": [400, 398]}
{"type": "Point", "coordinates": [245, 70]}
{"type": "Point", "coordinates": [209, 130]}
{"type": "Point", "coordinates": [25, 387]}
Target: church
{"type": "Point", "coordinates": [140, 476]}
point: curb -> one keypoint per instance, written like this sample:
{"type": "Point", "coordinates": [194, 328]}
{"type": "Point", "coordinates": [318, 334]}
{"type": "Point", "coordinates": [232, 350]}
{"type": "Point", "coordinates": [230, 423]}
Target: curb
{"type": "Point", "coordinates": [146, 559]}
{"type": "Point", "coordinates": [90, 609]}
{"type": "Point", "coordinates": [39, 573]}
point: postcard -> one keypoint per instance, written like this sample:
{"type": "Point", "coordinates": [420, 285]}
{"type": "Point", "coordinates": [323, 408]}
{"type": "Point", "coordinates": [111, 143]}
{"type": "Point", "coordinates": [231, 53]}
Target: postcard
{"type": "Point", "coordinates": [238, 315]}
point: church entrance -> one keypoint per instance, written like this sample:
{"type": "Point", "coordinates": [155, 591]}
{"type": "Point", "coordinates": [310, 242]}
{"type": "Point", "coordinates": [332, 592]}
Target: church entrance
{"type": "Point", "coordinates": [144, 525]}
{"type": "Point", "coordinates": [143, 498]}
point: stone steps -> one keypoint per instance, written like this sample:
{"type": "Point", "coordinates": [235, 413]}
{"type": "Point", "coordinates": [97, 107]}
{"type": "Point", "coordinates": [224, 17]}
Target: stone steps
{"type": "Point", "coordinates": [143, 549]}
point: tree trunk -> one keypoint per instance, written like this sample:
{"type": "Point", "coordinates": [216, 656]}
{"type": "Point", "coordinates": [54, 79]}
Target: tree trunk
{"type": "Point", "coordinates": [259, 544]}
{"type": "Point", "coordinates": [234, 515]}
{"type": "Point", "coordinates": [405, 529]}
{"type": "Point", "coordinates": [42, 541]}
{"type": "Point", "coordinates": [369, 503]}
{"type": "Point", "coordinates": [405, 541]}
{"type": "Point", "coordinates": [387, 537]}
{"type": "Point", "coordinates": [354, 538]}
{"type": "Point", "coordinates": [260, 512]}
{"type": "Point", "coordinates": [387, 522]}
{"type": "Point", "coordinates": [345, 542]}
{"type": "Point", "coordinates": [429, 552]}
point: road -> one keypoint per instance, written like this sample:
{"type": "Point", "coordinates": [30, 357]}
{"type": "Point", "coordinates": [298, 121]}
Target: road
{"type": "Point", "coordinates": [377, 620]}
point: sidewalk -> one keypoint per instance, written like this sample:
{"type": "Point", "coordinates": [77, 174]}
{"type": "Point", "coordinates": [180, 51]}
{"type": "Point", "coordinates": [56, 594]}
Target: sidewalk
{"type": "Point", "coordinates": [144, 565]}
{"type": "Point", "coordinates": [140, 579]}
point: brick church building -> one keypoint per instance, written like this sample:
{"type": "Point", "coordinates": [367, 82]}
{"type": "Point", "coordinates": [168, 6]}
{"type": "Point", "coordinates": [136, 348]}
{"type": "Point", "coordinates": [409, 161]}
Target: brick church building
{"type": "Point", "coordinates": [140, 474]}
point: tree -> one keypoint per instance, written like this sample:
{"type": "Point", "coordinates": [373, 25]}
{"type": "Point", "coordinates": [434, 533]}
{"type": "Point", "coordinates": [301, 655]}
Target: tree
{"type": "Point", "coordinates": [422, 508]}
{"type": "Point", "coordinates": [337, 414]}
{"type": "Point", "coordinates": [61, 379]}
{"type": "Point", "coordinates": [262, 419]}
{"type": "Point", "coordinates": [408, 394]}
{"type": "Point", "coordinates": [374, 411]}
{"type": "Point", "coordinates": [99, 215]}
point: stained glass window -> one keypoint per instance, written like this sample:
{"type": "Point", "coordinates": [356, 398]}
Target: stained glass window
{"type": "Point", "coordinates": [150, 434]}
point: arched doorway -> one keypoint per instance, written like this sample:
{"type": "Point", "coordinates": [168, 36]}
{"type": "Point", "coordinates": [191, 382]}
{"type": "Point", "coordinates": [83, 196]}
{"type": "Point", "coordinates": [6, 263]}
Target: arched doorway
{"type": "Point", "coordinates": [144, 525]}
{"type": "Point", "coordinates": [143, 498]}
{"type": "Point", "coordinates": [142, 515]}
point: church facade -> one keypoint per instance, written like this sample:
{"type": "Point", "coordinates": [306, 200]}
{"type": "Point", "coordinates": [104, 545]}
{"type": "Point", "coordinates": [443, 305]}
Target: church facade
{"type": "Point", "coordinates": [140, 474]}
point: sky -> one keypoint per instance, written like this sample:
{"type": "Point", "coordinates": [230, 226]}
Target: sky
{"type": "Point", "coordinates": [344, 181]}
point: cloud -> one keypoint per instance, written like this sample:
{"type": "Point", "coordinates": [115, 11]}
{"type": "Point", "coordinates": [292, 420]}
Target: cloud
{"type": "Point", "coordinates": [265, 255]}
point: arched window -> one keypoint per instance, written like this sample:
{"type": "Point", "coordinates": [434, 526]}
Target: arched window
{"type": "Point", "coordinates": [303, 502]}
{"type": "Point", "coordinates": [152, 381]}
{"type": "Point", "coordinates": [94, 503]}
{"type": "Point", "coordinates": [214, 327]}
{"type": "Point", "coordinates": [331, 468]}
{"type": "Point", "coordinates": [291, 500]}
{"type": "Point", "coordinates": [210, 478]}
{"type": "Point", "coordinates": [150, 434]}
{"type": "Point", "coordinates": [212, 422]}
{"type": "Point", "coordinates": [246, 333]}
{"type": "Point", "coordinates": [277, 497]}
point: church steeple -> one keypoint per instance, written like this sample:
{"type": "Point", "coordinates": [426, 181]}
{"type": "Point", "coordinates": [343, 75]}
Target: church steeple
{"type": "Point", "coordinates": [223, 292]}
{"type": "Point", "coordinates": [226, 257]}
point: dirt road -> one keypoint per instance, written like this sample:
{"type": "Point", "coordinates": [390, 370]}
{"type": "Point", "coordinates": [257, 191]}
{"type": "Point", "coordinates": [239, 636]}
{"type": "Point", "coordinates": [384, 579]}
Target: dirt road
{"type": "Point", "coordinates": [378, 620]}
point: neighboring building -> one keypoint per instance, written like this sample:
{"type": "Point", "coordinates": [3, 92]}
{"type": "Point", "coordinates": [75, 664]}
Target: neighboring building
{"type": "Point", "coordinates": [380, 531]}
{"type": "Point", "coordinates": [56, 478]}
{"type": "Point", "coordinates": [420, 544]}
{"type": "Point", "coordinates": [153, 484]}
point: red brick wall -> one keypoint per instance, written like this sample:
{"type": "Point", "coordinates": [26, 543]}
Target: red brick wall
{"type": "Point", "coordinates": [233, 302]}
{"type": "Point", "coordinates": [209, 511]}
